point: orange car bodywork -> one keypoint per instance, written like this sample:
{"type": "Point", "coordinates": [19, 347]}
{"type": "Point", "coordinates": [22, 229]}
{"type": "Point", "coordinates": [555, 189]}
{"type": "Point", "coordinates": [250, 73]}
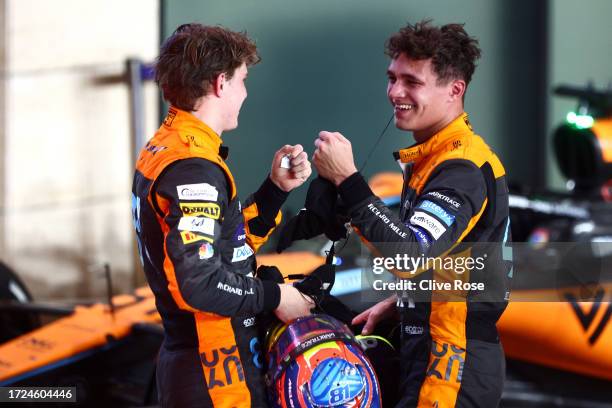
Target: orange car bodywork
{"type": "Point", "coordinates": [88, 328]}
{"type": "Point", "coordinates": [552, 334]}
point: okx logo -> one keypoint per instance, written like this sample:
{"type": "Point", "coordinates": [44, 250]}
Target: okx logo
{"type": "Point", "coordinates": [222, 367]}
{"type": "Point", "coordinates": [447, 362]}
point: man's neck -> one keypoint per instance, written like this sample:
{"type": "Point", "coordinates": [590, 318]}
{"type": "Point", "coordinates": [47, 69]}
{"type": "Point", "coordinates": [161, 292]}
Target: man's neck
{"type": "Point", "coordinates": [423, 135]}
{"type": "Point", "coordinates": [208, 114]}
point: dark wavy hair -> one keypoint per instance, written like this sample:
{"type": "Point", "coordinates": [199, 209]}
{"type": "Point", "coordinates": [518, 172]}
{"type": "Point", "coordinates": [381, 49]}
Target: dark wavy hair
{"type": "Point", "coordinates": [194, 55]}
{"type": "Point", "coordinates": [452, 51]}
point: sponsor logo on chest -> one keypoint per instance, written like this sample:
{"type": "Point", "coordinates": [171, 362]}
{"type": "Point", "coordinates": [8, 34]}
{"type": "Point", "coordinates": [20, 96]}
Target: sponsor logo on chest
{"type": "Point", "coordinates": [201, 191]}
{"type": "Point", "coordinates": [197, 224]}
{"type": "Point", "coordinates": [240, 233]}
{"type": "Point", "coordinates": [429, 223]}
{"type": "Point", "coordinates": [189, 237]}
{"type": "Point", "coordinates": [438, 211]}
{"type": "Point", "coordinates": [206, 251]}
{"type": "Point", "coordinates": [445, 198]}
{"type": "Point", "coordinates": [210, 210]}
{"type": "Point", "coordinates": [242, 253]}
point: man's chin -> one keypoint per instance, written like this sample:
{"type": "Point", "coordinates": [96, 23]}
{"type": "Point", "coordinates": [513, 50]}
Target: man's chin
{"type": "Point", "coordinates": [404, 125]}
{"type": "Point", "coordinates": [231, 127]}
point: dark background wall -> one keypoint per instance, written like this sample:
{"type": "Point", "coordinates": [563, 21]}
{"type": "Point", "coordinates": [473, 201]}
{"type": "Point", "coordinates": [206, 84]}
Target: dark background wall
{"type": "Point", "coordinates": [580, 52]}
{"type": "Point", "coordinates": [324, 68]}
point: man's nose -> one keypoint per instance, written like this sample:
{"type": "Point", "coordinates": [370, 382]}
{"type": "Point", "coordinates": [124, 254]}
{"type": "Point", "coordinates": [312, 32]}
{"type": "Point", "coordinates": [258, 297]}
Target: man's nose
{"type": "Point", "coordinates": [396, 91]}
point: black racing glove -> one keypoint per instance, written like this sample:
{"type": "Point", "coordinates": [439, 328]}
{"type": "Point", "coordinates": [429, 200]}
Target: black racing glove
{"type": "Point", "coordinates": [317, 286]}
{"type": "Point", "coordinates": [322, 215]}
{"type": "Point", "coordinates": [269, 273]}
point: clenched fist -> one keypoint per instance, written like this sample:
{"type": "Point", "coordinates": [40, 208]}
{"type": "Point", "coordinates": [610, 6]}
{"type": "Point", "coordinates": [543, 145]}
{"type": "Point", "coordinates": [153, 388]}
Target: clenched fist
{"type": "Point", "coordinates": [333, 157]}
{"type": "Point", "coordinates": [297, 174]}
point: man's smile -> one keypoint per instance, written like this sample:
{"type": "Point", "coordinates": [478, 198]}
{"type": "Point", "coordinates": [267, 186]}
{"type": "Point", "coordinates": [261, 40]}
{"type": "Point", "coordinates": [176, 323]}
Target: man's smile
{"type": "Point", "coordinates": [404, 106]}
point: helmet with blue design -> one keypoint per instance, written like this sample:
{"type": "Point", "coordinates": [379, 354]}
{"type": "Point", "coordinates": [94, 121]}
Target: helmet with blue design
{"type": "Point", "coordinates": [316, 362]}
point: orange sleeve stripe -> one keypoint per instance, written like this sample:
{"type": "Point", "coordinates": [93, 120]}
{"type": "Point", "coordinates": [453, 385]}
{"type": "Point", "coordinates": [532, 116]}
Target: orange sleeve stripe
{"type": "Point", "coordinates": [474, 220]}
{"type": "Point", "coordinates": [253, 240]}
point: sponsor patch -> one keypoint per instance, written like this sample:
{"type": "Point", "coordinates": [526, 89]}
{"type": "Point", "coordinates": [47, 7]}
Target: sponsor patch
{"type": "Point", "coordinates": [413, 330]}
{"type": "Point", "coordinates": [236, 291]}
{"type": "Point", "coordinates": [421, 236]}
{"type": "Point", "coordinates": [455, 145]}
{"type": "Point", "coordinates": [151, 148]}
{"type": "Point", "coordinates": [201, 191]}
{"type": "Point", "coordinates": [240, 233]}
{"type": "Point", "coordinates": [210, 210]}
{"type": "Point", "coordinates": [197, 224]}
{"type": "Point", "coordinates": [249, 322]}
{"type": "Point", "coordinates": [206, 251]}
{"type": "Point", "coordinates": [409, 155]}
{"type": "Point", "coordinates": [170, 117]}
{"type": "Point", "coordinates": [242, 253]}
{"type": "Point", "coordinates": [456, 204]}
{"type": "Point", "coordinates": [438, 211]}
{"type": "Point", "coordinates": [429, 223]}
{"type": "Point", "coordinates": [189, 237]}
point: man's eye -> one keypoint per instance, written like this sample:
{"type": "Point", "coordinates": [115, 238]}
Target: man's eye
{"type": "Point", "coordinates": [391, 79]}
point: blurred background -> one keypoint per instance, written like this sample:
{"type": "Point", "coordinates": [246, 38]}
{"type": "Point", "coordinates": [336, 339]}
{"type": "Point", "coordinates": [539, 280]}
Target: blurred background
{"type": "Point", "coordinates": [69, 112]}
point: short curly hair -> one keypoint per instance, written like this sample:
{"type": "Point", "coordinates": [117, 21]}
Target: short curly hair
{"type": "Point", "coordinates": [452, 51]}
{"type": "Point", "coordinates": [194, 55]}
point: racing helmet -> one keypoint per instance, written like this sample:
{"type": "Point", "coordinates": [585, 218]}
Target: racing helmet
{"type": "Point", "coordinates": [316, 362]}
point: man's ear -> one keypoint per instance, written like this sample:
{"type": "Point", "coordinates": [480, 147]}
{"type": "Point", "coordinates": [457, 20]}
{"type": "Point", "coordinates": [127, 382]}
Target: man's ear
{"type": "Point", "coordinates": [218, 84]}
{"type": "Point", "coordinates": [457, 89]}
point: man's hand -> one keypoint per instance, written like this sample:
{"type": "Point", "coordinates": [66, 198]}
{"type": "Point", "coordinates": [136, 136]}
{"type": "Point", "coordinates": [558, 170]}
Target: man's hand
{"type": "Point", "coordinates": [334, 157]}
{"type": "Point", "coordinates": [288, 179]}
{"type": "Point", "coordinates": [372, 316]}
{"type": "Point", "coordinates": [293, 304]}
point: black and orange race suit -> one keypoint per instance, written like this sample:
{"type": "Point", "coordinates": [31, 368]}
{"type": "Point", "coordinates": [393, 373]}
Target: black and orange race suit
{"type": "Point", "coordinates": [197, 245]}
{"type": "Point", "coordinates": [454, 201]}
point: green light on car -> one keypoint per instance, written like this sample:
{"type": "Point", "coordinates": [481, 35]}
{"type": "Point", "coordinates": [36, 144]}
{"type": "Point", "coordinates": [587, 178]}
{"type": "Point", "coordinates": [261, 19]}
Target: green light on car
{"type": "Point", "coordinates": [580, 121]}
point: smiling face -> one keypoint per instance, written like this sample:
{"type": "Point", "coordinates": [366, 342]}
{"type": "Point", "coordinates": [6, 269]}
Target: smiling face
{"type": "Point", "coordinates": [421, 103]}
{"type": "Point", "coordinates": [234, 94]}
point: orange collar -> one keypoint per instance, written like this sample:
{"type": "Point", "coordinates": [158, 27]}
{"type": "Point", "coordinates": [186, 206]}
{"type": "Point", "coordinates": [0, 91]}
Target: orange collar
{"type": "Point", "coordinates": [415, 153]}
{"type": "Point", "coordinates": [191, 130]}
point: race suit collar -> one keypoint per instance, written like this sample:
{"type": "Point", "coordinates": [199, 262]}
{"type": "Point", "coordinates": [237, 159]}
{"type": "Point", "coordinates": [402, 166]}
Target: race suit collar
{"type": "Point", "coordinates": [193, 132]}
{"type": "Point", "coordinates": [416, 152]}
